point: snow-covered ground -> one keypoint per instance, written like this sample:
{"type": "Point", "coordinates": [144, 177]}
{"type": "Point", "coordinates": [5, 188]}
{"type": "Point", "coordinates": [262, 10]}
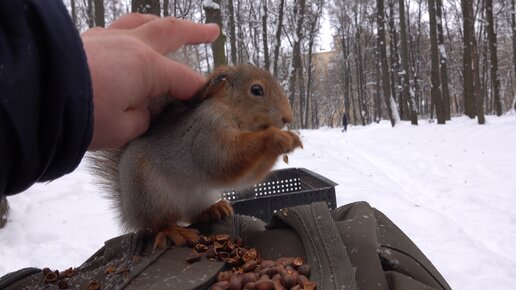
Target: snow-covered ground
{"type": "Point", "coordinates": [451, 188]}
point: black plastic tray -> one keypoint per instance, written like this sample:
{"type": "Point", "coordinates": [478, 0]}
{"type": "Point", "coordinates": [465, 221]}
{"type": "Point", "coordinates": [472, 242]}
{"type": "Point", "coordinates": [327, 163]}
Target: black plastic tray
{"type": "Point", "coordinates": [281, 189]}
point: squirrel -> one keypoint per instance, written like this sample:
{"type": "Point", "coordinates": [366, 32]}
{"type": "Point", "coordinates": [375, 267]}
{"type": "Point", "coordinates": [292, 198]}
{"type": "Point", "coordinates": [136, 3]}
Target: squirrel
{"type": "Point", "coordinates": [228, 136]}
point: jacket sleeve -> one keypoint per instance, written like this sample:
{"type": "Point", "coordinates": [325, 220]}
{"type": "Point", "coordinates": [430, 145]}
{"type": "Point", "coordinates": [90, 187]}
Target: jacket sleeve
{"type": "Point", "coordinates": [46, 106]}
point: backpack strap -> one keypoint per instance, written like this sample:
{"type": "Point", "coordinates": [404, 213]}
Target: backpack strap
{"type": "Point", "coordinates": [325, 251]}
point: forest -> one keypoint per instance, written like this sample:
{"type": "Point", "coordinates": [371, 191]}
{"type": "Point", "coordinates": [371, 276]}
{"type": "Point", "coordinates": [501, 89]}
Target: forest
{"type": "Point", "coordinates": [388, 59]}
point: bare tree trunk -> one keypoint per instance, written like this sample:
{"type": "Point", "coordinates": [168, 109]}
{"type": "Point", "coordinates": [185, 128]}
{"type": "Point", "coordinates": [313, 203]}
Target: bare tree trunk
{"type": "Point", "coordinates": [377, 100]}
{"type": "Point", "coordinates": [99, 13]}
{"type": "Point", "coordinates": [479, 104]}
{"type": "Point", "coordinates": [265, 38]}
{"type": "Point", "coordinates": [395, 65]}
{"type": "Point", "coordinates": [467, 58]}
{"type": "Point", "coordinates": [383, 59]}
{"type": "Point", "coordinates": [513, 27]}
{"type": "Point", "coordinates": [359, 68]}
{"type": "Point", "coordinates": [277, 44]}
{"type": "Point", "coordinates": [166, 5]}
{"type": "Point", "coordinates": [495, 77]}
{"type": "Point", "coordinates": [295, 77]}
{"type": "Point", "coordinates": [214, 15]}
{"type": "Point", "coordinates": [232, 32]}
{"type": "Point", "coordinates": [407, 92]}
{"type": "Point", "coordinates": [89, 10]}
{"type": "Point", "coordinates": [74, 13]}
{"type": "Point", "coordinates": [346, 73]}
{"type": "Point", "coordinates": [435, 77]}
{"type": "Point", "coordinates": [443, 60]}
{"type": "Point", "coordinates": [146, 6]}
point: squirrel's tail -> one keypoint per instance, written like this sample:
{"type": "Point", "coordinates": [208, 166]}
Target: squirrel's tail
{"type": "Point", "coordinates": [104, 165]}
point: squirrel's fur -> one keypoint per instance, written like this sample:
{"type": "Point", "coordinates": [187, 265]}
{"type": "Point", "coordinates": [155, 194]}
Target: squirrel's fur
{"type": "Point", "coordinates": [228, 136]}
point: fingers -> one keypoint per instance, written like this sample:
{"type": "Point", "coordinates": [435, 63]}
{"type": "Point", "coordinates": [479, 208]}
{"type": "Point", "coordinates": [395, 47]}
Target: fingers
{"type": "Point", "coordinates": [168, 34]}
{"type": "Point", "coordinates": [131, 21]}
{"type": "Point", "coordinates": [175, 79]}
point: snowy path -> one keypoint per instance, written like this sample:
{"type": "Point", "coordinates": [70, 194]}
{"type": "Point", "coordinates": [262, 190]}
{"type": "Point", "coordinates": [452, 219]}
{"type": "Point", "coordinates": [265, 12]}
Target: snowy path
{"type": "Point", "coordinates": [451, 189]}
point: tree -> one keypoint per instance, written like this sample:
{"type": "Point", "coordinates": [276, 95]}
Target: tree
{"type": "Point", "coordinates": [99, 13]}
{"type": "Point", "coordinates": [73, 12]}
{"type": "Point", "coordinates": [495, 78]}
{"type": "Point", "coordinates": [146, 6]}
{"type": "Point", "coordinates": [232, 32]}
{"type": "Point", "coordinates": [408, 96]}
{"type": "Point", "coordinates": [443, 60]}
{"type": "Point", "coordinates": [437, 100]}
{"type": "Point", "coordinates": [296, 71]}
{"type": "Point", "coordinates": [389, 100]}
{"type": "Point", "coordinates": [214, 15]}
{"type": "Point", "coordinates": [277, 40]}
{"type": "Point", "coordinates": [467, 57]}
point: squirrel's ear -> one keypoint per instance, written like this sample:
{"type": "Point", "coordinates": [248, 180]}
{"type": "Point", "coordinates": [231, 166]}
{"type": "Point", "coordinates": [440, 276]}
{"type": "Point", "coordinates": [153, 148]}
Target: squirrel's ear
{"type": "Point", "coordinates": [218, 80]}
{"type": "Point", "coordinates": [210, 88]}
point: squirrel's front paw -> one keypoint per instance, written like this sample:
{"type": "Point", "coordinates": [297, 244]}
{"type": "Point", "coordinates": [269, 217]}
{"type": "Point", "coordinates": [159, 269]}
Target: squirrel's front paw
{"type": "Point", "coordinates": [221, 210]}
{"type": "Point", "coordinates": [286, 141]}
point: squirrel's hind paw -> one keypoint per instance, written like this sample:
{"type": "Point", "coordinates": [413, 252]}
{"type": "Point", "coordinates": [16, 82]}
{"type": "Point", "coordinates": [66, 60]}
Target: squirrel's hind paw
{"type": "Point", "coordinates": [221, 210]}
{"type": "Point", "coordinates": [180, 236]}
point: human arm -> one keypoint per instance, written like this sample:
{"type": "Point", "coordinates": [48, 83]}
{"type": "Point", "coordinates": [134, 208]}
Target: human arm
{"type": "Point", "coordinates": [46, 98]}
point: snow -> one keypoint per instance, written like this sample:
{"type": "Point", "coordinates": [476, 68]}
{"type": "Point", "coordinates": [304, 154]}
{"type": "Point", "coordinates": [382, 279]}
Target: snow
{"type": "Point", "coordinates": [451, 188]}
{"type": "Point", "coordinates": [209, 4]}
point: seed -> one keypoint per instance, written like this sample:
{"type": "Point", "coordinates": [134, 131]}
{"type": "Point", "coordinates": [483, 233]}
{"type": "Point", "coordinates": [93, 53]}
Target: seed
{"type": "Point", "coordinates": [304, 270]}
{"type": "Point", "coordinates": [236, 282]}
{"type": "Point", "coordinates": [233, 261]}
{"type": "Point", "coordinates": [229, 246]}
{"type": "Point", "coordinates": [223, 256]}
{"type": "Point", "coordinates": [250, 254]}
{"type": "Point", "coordinates": [51, 277]}
{"type": "Point", "coordinates": [278, 285]}
{"type": "Point", "coordinates": [193, 257]}
{"type": "Point", "coordinates": [301, 279]}
{"type": "Point", "coordinates": [220, 285]}
{"type": "Point", "coordinates": [224, 276]}
{"type": "Point", "coordinates": [45, 271]}
{"type": "Point", "coordinates": [67, 273]}
{"type": "Point", "coordinates": [62, 284]}
{"type": "Point", "coordinates": [222, 237]}
{"type": "Point", "coordinates": [289, 279]}
{"type": "Point", "coordinates": [210, 253]}
{"type": "Point", "coordinates": [267, 263]}
{"type": "Point", "coordinates": [249, 266]}
{"type": "Point", "coordinates": [93, 285]}
{"type": "Point", "coordinates": [264, 284]}
{"type": "Point", "coordinates": [248, 277]}
{"type": "Point", "coordinates": [285, 261]}
{"type": "Point", "coordinates": [238, 241]}
{"type": "Point", "coordinates": [110, 269]}
{"type": "Point", "coordinates": [250, 286]}
{"type": "Point", "coordinates": [309, 285]}
{"type": "Point", "coordinates": [297, 262]}
{"type": "Point", "coordinates": [200, 248]}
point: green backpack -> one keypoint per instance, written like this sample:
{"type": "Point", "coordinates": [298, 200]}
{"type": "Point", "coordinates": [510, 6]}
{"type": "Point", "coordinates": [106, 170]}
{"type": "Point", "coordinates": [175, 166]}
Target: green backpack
{"type": "Point", "coordinates": [352, 247]}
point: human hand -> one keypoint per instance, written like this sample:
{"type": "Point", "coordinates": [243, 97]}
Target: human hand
{"type": "Point", "coordinates": [127, 67]}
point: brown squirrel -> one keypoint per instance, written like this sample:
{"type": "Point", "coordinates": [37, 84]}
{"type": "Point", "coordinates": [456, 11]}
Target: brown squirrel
{"type": "Point", "coordinates": [229, 135]}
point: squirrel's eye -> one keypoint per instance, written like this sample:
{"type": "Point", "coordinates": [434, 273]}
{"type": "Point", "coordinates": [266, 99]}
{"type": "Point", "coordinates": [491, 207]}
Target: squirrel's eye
{"type": "Point", "coordinates": [257, 90]}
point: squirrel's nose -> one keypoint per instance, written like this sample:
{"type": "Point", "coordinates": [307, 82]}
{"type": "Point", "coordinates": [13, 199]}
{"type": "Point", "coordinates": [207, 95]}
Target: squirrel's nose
{"type": "Point", "coordinates": [286, 119]}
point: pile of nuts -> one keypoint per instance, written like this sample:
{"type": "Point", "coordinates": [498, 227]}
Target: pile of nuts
{"type": "Point", "coordinates": [248, 270]}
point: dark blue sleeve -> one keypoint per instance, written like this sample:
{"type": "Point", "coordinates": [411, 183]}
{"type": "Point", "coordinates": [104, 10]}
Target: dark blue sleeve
{"type": "Point", "coordinates": [46, 106]}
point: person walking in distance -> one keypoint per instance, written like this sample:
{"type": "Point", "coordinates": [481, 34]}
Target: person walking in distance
{"type": "Point", "coordinates": [344, 122]}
